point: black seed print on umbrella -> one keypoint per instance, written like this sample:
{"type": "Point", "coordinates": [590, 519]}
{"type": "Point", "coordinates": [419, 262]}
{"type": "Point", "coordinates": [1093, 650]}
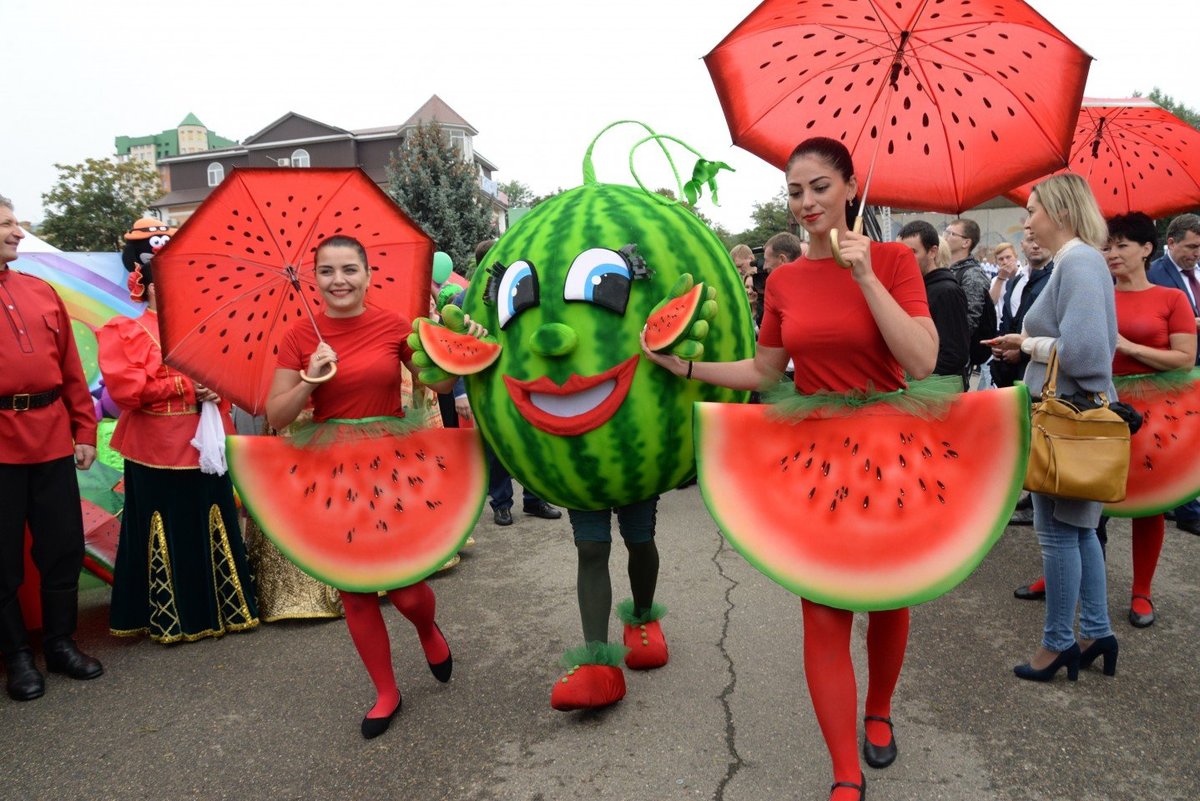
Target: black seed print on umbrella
{"type": "Point", "coordinates": [1136, 157]}
{"type": "Point", "coordinates": [968, 56]}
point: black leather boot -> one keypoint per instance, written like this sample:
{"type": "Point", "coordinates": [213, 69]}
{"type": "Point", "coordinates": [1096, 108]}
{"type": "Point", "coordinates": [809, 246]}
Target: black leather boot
{"type": "Point", "coordinates": [60, 610]}
{"type": "Point", "coordinates": [24, 681]}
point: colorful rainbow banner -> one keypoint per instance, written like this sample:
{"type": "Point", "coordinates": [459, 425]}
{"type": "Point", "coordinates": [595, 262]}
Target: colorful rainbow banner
{"type": "Point", "coordinates": [92, 285]}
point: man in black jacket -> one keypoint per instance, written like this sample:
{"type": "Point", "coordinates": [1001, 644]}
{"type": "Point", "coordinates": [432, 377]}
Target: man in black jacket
{"type": "Point", "coordinates": [1009, 366]}
{"type": "Point", "coordinates": [947, 301]}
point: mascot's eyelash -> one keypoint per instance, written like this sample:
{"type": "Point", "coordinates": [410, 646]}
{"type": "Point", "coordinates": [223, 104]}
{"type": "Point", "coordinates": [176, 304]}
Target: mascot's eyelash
{"type": "Point", "coordinates": [637, 265]}
{"type": "Point", "coordinates": [492, 290]}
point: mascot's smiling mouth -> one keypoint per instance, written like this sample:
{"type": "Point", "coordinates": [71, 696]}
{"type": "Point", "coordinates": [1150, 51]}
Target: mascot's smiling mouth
{"type": "Point", "coordinates": [577, 406]}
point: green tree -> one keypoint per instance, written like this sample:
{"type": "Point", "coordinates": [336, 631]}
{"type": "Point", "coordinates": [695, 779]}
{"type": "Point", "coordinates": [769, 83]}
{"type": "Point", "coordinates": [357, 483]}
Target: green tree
{"type": "Point", "coordinates": [716, 228]}
{"type": "Point", "coordinates": [769, 219]}
{"type": "Point", "coordinates": [543, 198]}
{"type": "Point", "coordinates": [519, 194]}
{"type": "Point", "coordinates": [430, 180]}
{"type": "Point", "coordinates": [1185, 113]}
{"type": "Point", "coordinates": [93, 204]}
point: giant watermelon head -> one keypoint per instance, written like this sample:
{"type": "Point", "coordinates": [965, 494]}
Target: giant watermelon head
{"type": "Point", "coordinates": [571, 407]}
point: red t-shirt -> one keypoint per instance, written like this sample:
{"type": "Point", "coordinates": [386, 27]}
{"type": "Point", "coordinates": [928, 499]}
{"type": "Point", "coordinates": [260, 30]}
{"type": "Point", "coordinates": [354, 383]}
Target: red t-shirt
{"type": "Point", "coordinates": [1149, 317]}
{"type": "Point", "coordinates": [816, 312]}
{"type": "Point", "coordinates": [370, 349]}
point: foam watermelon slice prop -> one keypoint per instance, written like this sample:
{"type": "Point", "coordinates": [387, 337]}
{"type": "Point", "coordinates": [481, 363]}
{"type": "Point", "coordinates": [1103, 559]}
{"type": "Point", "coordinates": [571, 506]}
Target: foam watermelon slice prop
{"type": "Point", "coordinates": [878, 510]}
{"type": "Point", "coordinates": [670, 324]}
{"type": "Point", "coordinates": [364, 514]}
{"type": "Point", "coordinates": [456, 352]}
{"type": "Point", "coordinates": [1163, 469]}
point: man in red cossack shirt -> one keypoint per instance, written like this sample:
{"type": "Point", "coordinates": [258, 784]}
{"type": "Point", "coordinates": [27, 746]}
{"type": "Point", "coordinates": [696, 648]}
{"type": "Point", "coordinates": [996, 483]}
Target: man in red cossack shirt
{"type": "Point", "coordinates": [47, 429]}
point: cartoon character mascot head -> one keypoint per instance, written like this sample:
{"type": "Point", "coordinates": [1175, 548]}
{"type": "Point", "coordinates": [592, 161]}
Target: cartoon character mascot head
{"type": "Point", "coordinates": [143, 240]}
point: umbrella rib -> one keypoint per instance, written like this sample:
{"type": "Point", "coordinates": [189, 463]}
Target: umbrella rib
{"type": "Point", "coordinates": [793, 89]}
{"type": "Point", "coordinates": [233, 300]}
{"type": "Point", "coordinates": [316, 218]}
{"type": "Point", "coordinates": [1112, 144]}
{"type": "Point", "coordinates": [1034, 117]}
{"type": "Point", "coordinates": [927, 86]}
{"type": "Point", "coordinates": [272, 267]}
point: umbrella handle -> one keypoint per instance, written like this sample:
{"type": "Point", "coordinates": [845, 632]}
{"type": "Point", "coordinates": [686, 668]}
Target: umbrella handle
{"type": "Point", "coordinates": [833, 242]}
{"type": "Point", "coordinates": [321, 379]}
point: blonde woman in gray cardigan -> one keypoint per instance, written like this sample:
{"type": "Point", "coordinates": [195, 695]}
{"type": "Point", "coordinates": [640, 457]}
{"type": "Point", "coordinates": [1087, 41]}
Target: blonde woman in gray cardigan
{"type": "Point", "coordinates": [1074, 315]}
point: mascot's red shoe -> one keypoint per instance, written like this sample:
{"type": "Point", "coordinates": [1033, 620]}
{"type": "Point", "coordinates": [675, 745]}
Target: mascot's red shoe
{"type": "Point", "coordinates": [647, 646]}
{"type": "Point", "coordinates": [588, 687]}
{"type": "Point", "coordinates": [643, 636]}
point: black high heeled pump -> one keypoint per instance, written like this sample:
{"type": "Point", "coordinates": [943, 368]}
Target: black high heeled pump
{"type": "Point", "coordinates": [1069, 658]}
{"type": "Point", "coordinates": [1106, 647]}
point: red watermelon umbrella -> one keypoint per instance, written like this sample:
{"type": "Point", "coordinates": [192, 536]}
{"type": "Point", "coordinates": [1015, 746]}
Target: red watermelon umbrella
{"type": "Point", "coordinates": [1136, 156]}
{"type": "Point", "coordinates": [962, 100]}
{"type": "Point", "coordinates": [240, 271]}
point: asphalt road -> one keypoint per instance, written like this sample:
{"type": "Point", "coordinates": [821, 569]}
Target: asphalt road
{"type": "Point", "coordinates": [274, 713]}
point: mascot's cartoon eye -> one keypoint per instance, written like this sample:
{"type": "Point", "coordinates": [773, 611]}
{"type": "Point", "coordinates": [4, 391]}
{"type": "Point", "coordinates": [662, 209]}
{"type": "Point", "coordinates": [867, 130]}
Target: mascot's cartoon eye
{"type": "Point", "coordinates": [599, 276]}
{"type": "Point", "coordinates": [518, 291]}
{"type": "Point", "coordinates": [158, 240]}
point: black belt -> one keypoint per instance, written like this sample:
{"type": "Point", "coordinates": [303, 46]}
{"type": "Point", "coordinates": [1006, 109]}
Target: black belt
{"type": "Point", "coordinates": [26, 401]}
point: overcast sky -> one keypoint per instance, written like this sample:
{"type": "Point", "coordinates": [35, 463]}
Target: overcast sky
{"type": "Point", "coordinates": [537, 78]}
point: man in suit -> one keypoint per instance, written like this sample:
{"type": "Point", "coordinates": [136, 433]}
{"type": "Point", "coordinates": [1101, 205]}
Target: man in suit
{"type": "Point", "coordinates": [1177, 268]}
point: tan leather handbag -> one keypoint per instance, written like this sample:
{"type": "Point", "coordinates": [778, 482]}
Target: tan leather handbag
{"type": "Point", "coordinates": [1081, 454]}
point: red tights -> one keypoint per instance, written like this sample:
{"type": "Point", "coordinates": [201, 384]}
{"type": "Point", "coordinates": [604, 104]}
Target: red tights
{"type": "Point", "coordinates": [370, 636]}
{"type": "Point", "coordinates": [830, 675]}
{"type": "Point", "coordinates": [1147, 545]}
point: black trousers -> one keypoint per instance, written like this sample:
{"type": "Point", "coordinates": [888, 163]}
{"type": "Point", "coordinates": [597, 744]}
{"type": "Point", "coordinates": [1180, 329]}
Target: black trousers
{"type": "Point", "coordinates": [46, 495]}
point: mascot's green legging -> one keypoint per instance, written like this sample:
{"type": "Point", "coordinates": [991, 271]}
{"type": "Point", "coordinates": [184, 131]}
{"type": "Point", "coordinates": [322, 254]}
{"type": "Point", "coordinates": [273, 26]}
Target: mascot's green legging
{"type": "Point", "coordinates": [593, 542]}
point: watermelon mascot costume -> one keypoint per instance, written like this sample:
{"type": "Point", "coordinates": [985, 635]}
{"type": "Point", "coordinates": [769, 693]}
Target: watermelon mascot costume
{"type": "Point", "coordinates": [568, 402]}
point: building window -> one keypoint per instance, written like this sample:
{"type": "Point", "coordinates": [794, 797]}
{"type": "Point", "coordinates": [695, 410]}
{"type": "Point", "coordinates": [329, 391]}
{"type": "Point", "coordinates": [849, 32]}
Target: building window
{"type": "Point", "coordinates": [460, 140]}
{"type": "Point", "coordinates": [216, 173]}
{"type": "Point", "coordinates": [300, 158]}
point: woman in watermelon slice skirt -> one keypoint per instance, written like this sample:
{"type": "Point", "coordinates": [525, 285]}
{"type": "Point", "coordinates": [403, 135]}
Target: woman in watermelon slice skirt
{"type": "Point", "coordinates": [1075, 318]}
{"type": "Point", "coordinates": [1156, 333]}
{"type": "Point", "coordinates": [181, 570]}
{"type": "Point", "coordinates": [846, 330]}
{"type": "Point", "coordinates": [368, 346]}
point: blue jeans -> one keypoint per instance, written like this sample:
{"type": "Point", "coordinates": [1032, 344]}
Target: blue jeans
{"type": "Point", "coordinates": [1074, 568]}
{"type": "Point", "coordinates": [500, 487]}
{"type": "Point", "coordinates": [1189, 511]}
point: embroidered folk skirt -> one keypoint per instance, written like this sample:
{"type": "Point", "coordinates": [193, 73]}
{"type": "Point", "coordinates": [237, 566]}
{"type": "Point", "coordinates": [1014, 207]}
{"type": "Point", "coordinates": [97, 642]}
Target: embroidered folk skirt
{"type": "Point", "coordinates": [181, 572]}
{"type": "Point", "coordinates": [285, 592]}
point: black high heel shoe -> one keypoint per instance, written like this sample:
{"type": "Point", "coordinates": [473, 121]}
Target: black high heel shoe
{"type": "Point", "coordinates": [879, 756]}
{"type": "Point", "coordinates": [862, 788]}
{"type": "Point", "coordinates": [1069, 657]}
{"type": "Point", "coordinates": [1106, 647]}
{"type": "Point", "coordinates": [373, 727]}
{"type": "Point", "coordinates": [442, 670]}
